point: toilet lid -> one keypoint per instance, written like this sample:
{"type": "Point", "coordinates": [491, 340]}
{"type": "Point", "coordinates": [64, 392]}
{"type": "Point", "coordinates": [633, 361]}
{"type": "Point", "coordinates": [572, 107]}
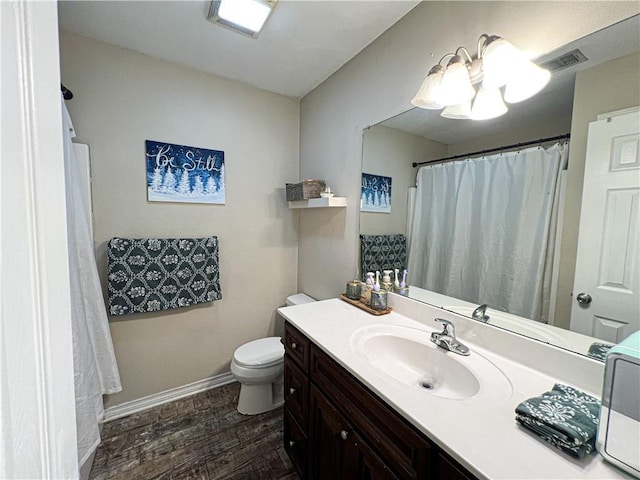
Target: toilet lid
{"type": "Point", "coordinates": [263, 352]}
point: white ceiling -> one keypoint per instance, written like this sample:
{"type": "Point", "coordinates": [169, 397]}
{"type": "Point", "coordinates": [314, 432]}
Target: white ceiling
{"type": "Point", "coordinates": [302, 44]}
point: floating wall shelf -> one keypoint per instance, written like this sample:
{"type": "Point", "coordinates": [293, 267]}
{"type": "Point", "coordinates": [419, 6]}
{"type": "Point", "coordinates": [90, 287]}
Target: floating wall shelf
{"type": "Point", "coordinates": [319, 203]}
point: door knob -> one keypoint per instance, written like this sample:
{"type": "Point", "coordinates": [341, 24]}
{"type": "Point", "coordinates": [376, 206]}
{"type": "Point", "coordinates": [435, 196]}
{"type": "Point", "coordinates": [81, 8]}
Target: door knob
{"type": "Point", "coordinates": [583, 298]}
{"type": "Point", "coordinates": [344, 434]}
{"type": "Point", "coordinates": [293, 345]}
{"type": "Point", "coordinates": [292, 391]}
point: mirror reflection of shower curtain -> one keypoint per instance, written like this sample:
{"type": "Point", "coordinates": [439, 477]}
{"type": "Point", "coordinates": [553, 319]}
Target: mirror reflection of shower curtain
{"type": "Point", "coordinates": [484, 229]}
{"type": "Point", "coordinates": [95, 369]}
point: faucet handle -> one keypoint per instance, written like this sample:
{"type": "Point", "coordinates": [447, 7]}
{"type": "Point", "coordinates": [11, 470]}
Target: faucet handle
{"type": "Point", "coordinates": [448, 329]}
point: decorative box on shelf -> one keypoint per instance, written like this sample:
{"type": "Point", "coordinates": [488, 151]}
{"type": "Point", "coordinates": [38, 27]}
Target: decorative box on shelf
{"type": "Point", "coordinates": [305, 190]}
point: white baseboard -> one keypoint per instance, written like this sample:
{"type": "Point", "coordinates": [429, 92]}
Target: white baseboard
{"type": "Point", "coordinates": [150, 401]}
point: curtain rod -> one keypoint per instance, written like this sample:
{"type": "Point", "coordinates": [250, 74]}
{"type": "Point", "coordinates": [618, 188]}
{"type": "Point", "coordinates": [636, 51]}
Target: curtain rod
{"type": "Point", "coordinates": [66, 93]}
{"type": "Point", "coordinates": [496, 149]}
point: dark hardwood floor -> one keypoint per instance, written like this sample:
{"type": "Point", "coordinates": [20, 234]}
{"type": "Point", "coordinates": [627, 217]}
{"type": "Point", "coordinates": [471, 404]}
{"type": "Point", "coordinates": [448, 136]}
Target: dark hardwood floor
{"type": "Point", "coordinates": [198, 437]}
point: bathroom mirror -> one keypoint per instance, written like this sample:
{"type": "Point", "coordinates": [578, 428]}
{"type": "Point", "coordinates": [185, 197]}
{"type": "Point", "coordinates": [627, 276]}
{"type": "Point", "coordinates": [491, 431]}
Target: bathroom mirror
{"type": "Point", "coordinates": [419, 135]}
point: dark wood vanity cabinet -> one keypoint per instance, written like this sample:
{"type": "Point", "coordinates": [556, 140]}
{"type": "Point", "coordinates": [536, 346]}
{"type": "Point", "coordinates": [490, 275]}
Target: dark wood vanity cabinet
{"type": "Point", "coordinates": [338, 451]}
{"type": "Point", "coordinates": [336, 428]}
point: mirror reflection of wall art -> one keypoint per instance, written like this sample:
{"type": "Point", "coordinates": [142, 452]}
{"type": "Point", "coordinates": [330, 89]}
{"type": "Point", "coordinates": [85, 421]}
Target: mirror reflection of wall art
{"type": "Point", "coordinates": [375, 193]}
{"type": "Point", "coordinates": [178, 173]}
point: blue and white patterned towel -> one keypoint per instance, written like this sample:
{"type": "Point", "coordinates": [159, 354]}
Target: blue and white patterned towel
{"type": "Point", "coordinates": [382, 252]}
{"type": "Point", "coordinates": [150, 274]}
{"type": "Point", "coordinates": [599, 350]}
{"type": "Point", "coordinates": [565, 417]}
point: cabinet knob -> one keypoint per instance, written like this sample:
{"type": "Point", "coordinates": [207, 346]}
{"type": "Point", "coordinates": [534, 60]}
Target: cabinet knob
{"type": "Point", "coordinates": [292, 391]}
{"type": "Point", "coordinates": [291, 443]}
{"type": "Point", "coordinates": [293, 345]}
{"type": "Point", "coordinates": [344, 434]}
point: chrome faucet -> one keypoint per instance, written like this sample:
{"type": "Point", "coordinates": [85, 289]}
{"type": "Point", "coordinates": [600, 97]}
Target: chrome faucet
{"type": "Point", "coordinates": [447, 338]}
{"type": "Point", "coordinates": [480, 315]}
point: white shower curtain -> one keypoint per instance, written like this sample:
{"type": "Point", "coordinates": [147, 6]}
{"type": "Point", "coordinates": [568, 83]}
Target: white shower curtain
{"type": "Point", "coordinates": [484, 229]}
{"type": "Point", "coordinates": [95, 368]}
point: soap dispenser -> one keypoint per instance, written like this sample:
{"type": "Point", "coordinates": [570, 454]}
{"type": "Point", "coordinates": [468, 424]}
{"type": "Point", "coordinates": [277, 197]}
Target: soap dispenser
{"type": "Point", "coordinates": [396, 282]}
{"type": "Point", "coordinates": [386, 280]}
{"type": "Point", "coordinates": [367, 287]}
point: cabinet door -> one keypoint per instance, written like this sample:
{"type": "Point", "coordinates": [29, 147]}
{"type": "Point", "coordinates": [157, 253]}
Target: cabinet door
{"type": "Point", "coordinates": [296, 391]}
{"type": "Point", "coordinates": [362, 463]}
{"type": "Point", "coordinates": [295, 443]}
{"type": "Point", "coordinates": [328, 435]}
{"type": "Point", "coordinates": [450, 470]}
{"type": "Point", "coordinates": [397, 442]}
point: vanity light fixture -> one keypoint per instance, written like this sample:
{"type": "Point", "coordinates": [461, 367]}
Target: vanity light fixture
{"type": "Point", "coordinates": [470, 87]}
{"type": "Point", "coordinates": [243, 16]}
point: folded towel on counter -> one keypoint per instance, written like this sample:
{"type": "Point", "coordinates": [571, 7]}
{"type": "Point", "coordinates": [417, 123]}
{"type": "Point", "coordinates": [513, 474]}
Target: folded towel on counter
{"type": "Point", "coordinates": [150, 274]}
{"type": "Point", "coordinates": [599, 351]}
{"type": "Point", "coordinates": [565, 417]}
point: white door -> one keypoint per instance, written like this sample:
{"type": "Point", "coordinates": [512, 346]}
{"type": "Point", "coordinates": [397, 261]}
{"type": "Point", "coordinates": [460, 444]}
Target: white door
{"type": "Point", "coordinates": [606, 297]}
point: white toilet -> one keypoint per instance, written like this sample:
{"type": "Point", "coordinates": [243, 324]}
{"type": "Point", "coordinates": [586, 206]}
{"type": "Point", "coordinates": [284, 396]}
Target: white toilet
{"type": "Point", "coordinates": [258, 366]}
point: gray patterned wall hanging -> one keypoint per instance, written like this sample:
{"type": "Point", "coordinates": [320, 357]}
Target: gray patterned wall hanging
{"type": "Point", "coordinates": [382, 252]}
{"type": "Point", "coordinates": [151, 274]}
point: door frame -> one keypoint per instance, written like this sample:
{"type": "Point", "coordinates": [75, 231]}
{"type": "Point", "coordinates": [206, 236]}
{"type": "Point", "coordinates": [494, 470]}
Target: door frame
{"type": "Point", "coordinates": [37, 400]}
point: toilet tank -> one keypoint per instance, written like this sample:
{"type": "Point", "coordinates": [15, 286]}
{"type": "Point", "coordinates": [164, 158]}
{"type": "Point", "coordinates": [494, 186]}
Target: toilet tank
{"type": "Point", "coordinates": [299, 299]}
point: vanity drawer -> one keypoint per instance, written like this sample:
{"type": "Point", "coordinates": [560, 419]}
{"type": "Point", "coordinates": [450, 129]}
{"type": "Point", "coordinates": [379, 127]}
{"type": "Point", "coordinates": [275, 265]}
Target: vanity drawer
{"type": "Point", "coordinates": [297, 346]}
{"type": "Point", "coordinates": [296, 391]}
{"type": "Point", "coordinates": [397, 443]}
{"type": "Point", "coordinates": [296, 443]}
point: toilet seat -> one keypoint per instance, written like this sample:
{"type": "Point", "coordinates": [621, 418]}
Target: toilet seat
{"type": "Point", "coordinates": [261, 353]}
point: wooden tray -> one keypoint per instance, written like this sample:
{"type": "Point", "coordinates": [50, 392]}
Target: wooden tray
{"type": "Point", "coordinates": [364, 307]}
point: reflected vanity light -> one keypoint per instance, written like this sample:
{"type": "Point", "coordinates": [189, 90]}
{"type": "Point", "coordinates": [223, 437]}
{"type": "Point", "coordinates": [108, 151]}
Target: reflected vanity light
{"type": "Point", "coordinates": [469, 88]}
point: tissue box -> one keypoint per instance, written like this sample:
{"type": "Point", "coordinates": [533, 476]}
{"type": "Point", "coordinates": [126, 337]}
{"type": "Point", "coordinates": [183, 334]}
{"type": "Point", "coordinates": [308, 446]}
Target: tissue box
{"type": "Point", "coordinates": [618, 439]}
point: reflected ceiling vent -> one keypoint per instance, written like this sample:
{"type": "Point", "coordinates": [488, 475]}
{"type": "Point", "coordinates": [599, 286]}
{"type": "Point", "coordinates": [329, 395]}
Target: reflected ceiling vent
{"type": "Point", "coordinates": [566, 60]}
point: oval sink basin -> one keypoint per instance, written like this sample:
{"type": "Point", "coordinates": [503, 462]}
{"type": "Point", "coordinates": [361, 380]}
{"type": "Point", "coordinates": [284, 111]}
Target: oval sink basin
{"type": "Point", "coordinates": [407, 356]}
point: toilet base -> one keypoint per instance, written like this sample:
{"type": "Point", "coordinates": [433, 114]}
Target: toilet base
{"type": "Point", "coordinates": [255, 399]}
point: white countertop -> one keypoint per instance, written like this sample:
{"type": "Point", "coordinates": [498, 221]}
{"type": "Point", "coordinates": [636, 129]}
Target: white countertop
{"type": "Point", "coordinates": [480, 432]}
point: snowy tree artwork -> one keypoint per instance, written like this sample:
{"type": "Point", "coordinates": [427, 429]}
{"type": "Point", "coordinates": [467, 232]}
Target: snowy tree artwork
{"type": "Point", "coordinates": [375, 193]}
{"type": "Point", "coordinates": [178, 173]}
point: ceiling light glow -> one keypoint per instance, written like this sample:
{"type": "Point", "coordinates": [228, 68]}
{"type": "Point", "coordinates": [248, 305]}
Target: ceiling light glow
{"type": "Point", "coordinates": [244, 16]}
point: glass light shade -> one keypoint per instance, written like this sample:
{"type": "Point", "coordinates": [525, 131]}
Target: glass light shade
{"type": "Point", "coordinates": [428, 92]}
{"type": "Point", "coordinates": [526, 80]}
{"type": "Point", "coordinates": [488, 104]}
{"type": "Point", "coordinates": [455, 87]}
{"type": "Point", "coordinates": [461, 111]}
{"type": "Point", "coordinates": [498, 59]}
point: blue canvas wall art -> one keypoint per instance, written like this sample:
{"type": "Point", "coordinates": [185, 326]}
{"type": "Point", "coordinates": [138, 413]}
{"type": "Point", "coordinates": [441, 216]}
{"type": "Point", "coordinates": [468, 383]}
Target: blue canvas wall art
{"type": "Point", "coordinates": [375, 193]}
{"type": "Point", "coordinates": [179, 173]}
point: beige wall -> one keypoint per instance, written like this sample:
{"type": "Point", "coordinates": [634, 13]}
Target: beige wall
{"type": "Point", "coordinates": [390, 152]}
{"type": "Point", "coordinates": [123, 98]}
{"type": "Point", "coordinates": [536, 129]}
{"type": "Point", "coordinates": [380, 82]}
{"type": "Point", "coordinates": [608, 87]}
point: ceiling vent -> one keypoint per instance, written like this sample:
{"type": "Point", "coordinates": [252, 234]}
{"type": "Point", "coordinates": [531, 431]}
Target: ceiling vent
{"type": "Point", "coordinates": [566, 60]}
